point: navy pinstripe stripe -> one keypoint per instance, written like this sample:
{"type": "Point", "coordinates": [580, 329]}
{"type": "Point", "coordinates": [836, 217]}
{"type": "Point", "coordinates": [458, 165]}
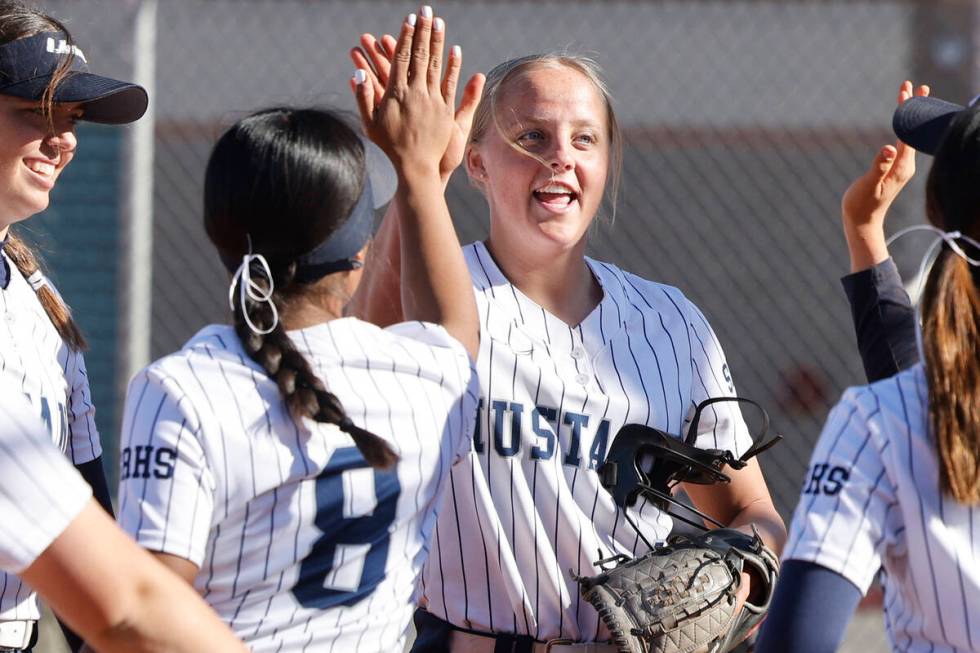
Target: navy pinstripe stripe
{"type": "Point", "coordinates": [69, 416]}
{"type": "Point", "coordinates": [922, 520]}
{"type": "Point", "coordinates": [558, 474]}
{"type": "Point", "coordinates": [170, 493]}
{"type": "Point", "coordinates": [221, 428]}
{"type": "Point", "coordinates": [489, 457]}
{"type": "Point", "coordinates": [830, 452]}
{"type": "Point", "coordinates": [132, 426]}
{"type": "Point", "coordinates": [673, 348]}
{"type": "Point", "coordinates": [578, 513]}
{"type": "Point", "coordinates": [393, 440]}
{"type": "Point", "coordinates": [837, 500]}
{"type": "Point", "coordinates": [251, 457]}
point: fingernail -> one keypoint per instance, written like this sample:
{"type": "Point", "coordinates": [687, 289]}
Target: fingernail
{"type": "Point", "coordinates": [426, 11]}
{"type": "Point", "coordinates": [411, 19]}
{"type": "Point", "coordinates": [439, 24]}
{"type": "Point", "coordinates": [360, 76]}
{"type": "Point", "coordinates": [457, 51]}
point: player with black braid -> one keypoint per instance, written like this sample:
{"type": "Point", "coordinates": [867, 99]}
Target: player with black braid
{"type": "Point", "coordinates": [317, 210]}
{"type": "Point", "coordinates": [290, 465]}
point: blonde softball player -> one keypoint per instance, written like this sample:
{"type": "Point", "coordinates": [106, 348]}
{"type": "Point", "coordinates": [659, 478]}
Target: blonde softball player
{"type": "Point", "coordinates": [571, 350]}
{"type": "Point", "coordinates": [291, 465]}
{"type": "Point", "coordinates": [893, 484]}
{"type": "Point", "coordinates": [112, 592]}
{"type": "Point", "coordinates": [45, 88]}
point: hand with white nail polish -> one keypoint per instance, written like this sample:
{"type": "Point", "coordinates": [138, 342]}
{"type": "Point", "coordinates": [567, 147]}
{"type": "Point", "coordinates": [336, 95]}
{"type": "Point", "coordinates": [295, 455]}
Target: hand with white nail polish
{"type": "Point", "coordinates": [374, 57]}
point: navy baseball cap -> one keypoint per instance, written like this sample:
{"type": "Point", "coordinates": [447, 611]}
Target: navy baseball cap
{"type": "Point", "coordinates": [27, 65]}
{"type": "Point", "coordinates": [922, 121]}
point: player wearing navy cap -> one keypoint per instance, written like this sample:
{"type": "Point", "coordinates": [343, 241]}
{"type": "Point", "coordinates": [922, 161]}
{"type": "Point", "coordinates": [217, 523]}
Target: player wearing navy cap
{"type": "Point", "coordinates": [571, 350]}
{"type": "Point", "coordinates": [291, 465]}
{"type": "Point", "coordinates": [45, 87]}
{"type": "Point", "coordinates": [893, 483]}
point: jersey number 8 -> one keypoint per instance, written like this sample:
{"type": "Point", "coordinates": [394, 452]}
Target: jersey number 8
{"type": "Point", "coordinates": [349, 558]}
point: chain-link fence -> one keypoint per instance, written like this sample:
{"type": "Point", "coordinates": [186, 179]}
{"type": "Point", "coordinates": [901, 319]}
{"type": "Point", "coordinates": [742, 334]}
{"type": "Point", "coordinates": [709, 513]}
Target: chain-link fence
{"type": "Point", "coordinates": [744, 122]}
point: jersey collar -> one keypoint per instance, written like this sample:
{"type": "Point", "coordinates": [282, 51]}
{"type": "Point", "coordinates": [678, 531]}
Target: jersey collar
{"type": "Point", "coordinates": [531, 319]}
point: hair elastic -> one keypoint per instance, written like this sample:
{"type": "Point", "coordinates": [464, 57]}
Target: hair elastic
{"type": "Point", "coordinates": [249, 289]}
{"type": "Point", "coordinates": [37, 280]}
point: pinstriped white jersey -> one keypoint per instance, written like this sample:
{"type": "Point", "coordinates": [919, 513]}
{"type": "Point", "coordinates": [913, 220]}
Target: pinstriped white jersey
{"type": "Point", "coordinates": [528, 510]}
{"type": "Point", "coordinates": [55, 382]}
{"type": "Point", "coordinates": [301, 545]}
{"type": "Point", "coordinates": [40, 492]}
{"type": "Point", "coordinates": [871, 501]}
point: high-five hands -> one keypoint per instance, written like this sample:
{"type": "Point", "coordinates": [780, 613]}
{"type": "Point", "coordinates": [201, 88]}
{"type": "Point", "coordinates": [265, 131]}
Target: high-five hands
{"type": "Point", "coordinates": [377, 58]}
{"type": "Point", "coordinates": [866, 201]}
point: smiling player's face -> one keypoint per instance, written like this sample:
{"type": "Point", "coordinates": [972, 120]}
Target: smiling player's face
{"type": "Point", "coordinates": [544, 165]}
{"type": "Point", "coordinates": [33, 152]}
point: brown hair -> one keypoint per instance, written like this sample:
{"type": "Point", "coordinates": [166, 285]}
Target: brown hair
{"type": "Point", "coordinates": [486, 111]}
{"type": "Point", "coordinates": [17, 21]}
{"type": "Point", "coordinates": [277, 183]}
{"type": "Point", "coordinates": [951, 312]}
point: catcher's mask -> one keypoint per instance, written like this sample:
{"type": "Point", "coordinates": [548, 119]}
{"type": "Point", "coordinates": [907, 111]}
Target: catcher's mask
{"type": "Point", "coordinates": [646, 461]}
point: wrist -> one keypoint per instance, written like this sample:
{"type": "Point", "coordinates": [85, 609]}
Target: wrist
{"type": "Point", "coordinates": [412, 173]}
{"type": "Point", "coordinates": [866, 245]}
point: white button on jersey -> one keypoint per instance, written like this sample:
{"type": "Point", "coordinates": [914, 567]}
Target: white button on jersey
{"type": "Point", "coordinates": [871, 502]}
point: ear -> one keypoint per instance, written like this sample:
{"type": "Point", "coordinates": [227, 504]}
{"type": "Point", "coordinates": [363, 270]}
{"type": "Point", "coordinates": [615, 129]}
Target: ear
{"type": "Point", "coordinates": [474, 165]}
{"type": "Point", "coordinates": [361, 256]}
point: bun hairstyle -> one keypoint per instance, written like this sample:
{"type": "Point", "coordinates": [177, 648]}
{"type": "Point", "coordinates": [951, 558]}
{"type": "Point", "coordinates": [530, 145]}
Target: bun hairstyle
{"type": "Point", "coordinates": [18, 21]}
{"type": "Point", "coordinates": [278, 183]}
{"type": "Point", "coordinates": [951, 311]}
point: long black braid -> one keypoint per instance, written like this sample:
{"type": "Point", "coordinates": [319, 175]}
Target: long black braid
{"type": "Point", "coordinates": [305, 168]}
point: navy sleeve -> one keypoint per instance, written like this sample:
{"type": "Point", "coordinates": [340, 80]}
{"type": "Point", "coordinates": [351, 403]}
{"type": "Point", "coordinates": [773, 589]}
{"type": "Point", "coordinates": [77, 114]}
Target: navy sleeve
{"type": "Point", "coordinates": [810, 610]}
{"type": "Point", "coordinates": [884, 320]}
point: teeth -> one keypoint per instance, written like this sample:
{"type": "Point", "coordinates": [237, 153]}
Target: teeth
{"type": "Point", "coordinates": [41, 167]}
{"type": "Point", "coordinates": [555, 188]}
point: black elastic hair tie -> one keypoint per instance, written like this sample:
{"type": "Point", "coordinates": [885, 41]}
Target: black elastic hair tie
{"type": "Point", "coordinates": [345, 425]}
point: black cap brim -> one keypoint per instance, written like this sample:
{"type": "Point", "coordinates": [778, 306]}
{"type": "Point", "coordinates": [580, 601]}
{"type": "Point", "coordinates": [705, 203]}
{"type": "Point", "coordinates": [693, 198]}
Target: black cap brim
{"type": "Point", "coordinates": [921, 122]}
{"type": "Point", "coordinates": [106, 100]}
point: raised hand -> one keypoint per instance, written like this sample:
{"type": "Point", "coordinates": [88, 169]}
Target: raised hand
{"type": "Point", "coordinates": [413, 121]}
{"type": "Point", "coordinates": [374, 57]}
{"type": "Point", "coordinates": [866, 201]}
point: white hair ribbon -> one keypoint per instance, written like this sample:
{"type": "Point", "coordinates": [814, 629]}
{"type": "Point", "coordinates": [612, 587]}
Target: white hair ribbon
{"type": "Point", "coordinates": [37, 280]}
{"type": "Point", "coordinates": [948, 237]}
{"type": "Point", "coordinates": [249, 289]}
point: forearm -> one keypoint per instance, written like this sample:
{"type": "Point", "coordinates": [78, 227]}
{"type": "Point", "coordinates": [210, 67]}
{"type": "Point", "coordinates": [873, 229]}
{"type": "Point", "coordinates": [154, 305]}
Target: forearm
{"type": "Point", "coordinates": [94, 475]}
{"type": "Point", "coordinates": [378, 297]}
{"type": "Point", "coordinates": [762, 515]}
{"type": "Point", "coordinates": [118, 597]}
{"type": "Point", "coordinates": [436, 284]}
{"type": "Point", "coordinates": [163, 619]}
{"type": "Point", "coordinates": [866, 244]}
